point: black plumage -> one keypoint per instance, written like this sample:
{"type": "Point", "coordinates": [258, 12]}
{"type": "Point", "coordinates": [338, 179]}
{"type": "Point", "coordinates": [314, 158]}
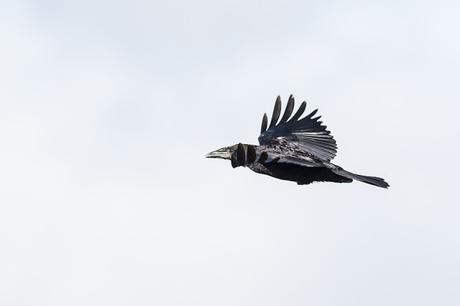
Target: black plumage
{"type": "Point", "coordinates": [294, 149]}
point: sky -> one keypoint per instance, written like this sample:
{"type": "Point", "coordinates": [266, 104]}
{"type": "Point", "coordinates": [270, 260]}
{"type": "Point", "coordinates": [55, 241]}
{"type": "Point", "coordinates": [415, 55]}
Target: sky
{"type": "Point", "coordinates": [107, 109]}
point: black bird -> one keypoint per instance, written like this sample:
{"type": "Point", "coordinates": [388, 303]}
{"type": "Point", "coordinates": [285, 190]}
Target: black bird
{"type": "Point", "coordinates": [294, 149]}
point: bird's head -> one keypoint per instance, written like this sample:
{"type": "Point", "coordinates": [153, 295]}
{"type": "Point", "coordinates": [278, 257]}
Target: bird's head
{"type": "Point", "coordinates": [223, 153]}
{"type": "Point", "coordinates": [239, 154]}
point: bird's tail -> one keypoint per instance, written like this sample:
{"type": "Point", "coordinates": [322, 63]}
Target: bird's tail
{"type": "Point", "coordinates": [372, 180]}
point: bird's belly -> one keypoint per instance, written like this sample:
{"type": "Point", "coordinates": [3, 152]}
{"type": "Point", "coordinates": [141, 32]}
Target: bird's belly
{"type": "Point", "coordinates": [297, 173]}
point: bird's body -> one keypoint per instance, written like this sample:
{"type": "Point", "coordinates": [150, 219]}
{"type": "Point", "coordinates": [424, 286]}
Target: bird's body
{"type": "Point", "coordinates": [293, 149]}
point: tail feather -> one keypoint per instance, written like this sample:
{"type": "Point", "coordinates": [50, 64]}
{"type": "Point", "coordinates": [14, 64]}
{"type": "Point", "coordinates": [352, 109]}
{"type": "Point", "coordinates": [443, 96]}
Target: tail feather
{"type": "Point", "coordinates": [372, 180]}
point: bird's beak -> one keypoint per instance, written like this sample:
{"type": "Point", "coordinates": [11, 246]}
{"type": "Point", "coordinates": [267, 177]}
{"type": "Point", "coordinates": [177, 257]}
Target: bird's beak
{"type": "Point", "coordinates": [221, 153]}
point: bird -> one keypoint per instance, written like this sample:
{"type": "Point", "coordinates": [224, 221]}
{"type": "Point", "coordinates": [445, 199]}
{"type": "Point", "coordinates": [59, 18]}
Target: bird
{"type": "Point", "coordinates": [293, 149]}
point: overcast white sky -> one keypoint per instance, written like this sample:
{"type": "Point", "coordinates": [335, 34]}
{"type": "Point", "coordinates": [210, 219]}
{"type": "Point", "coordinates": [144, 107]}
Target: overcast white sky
{"type": "Point", "coordinates": [108, 107]}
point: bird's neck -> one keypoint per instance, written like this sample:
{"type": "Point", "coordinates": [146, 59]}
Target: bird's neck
{"type": "Point", "coordinates": [244, 155]}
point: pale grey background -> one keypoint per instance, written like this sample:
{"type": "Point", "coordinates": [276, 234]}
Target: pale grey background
{"type": "Point", "coordinates": [108, 107]}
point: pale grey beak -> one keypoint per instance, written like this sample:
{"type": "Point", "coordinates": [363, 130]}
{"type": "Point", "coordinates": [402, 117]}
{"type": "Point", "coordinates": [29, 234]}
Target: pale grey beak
{"type": "Point", "coordinates": [223, 153]}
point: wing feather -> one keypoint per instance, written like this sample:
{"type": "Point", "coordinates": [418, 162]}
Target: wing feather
{"type": "Point", "coordinates": [276, 112]}
{"type": "Point", "coordinates": [289, 109]}
{"type": "Point", "coordinates": [299, 112]}
{"type": "Point", "coordinates": [308, 133]}
{"type": "Point", "coordinates": [263, 128]}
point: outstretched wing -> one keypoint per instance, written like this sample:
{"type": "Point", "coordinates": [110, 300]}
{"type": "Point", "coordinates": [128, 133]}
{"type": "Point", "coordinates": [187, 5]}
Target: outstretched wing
{"type": "Point", "coordinates": [308, 134]}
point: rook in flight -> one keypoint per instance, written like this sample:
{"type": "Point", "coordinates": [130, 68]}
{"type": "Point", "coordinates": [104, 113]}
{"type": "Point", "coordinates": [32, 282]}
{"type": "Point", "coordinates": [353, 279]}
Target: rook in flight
{"type": "Point", "coordinates": [294, 149]}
